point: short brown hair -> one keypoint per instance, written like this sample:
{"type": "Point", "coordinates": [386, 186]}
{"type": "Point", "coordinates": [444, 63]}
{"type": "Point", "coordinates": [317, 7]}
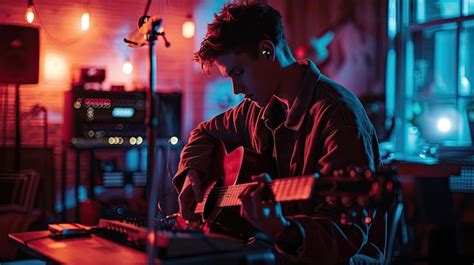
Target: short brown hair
{"type": "Point", "coordinates": [239, 27]}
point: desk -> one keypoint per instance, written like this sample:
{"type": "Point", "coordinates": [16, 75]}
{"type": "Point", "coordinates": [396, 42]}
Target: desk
{"type": "Point", "coordinates": [96, 250]}
{"type": "Point", "coordinates": [85, 250]}
{"type": "Point", "coordinates": [426, 167]}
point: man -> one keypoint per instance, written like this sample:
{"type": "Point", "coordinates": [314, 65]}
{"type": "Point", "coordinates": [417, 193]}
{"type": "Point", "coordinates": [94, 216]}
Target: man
{"type": "Point", "coordinates": [301, 120]}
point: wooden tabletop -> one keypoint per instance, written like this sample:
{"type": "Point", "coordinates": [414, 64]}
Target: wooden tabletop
{"type": "Point", "coordinates": [85, 250]}
{"type": "Point", "coordinates": [96, 250]}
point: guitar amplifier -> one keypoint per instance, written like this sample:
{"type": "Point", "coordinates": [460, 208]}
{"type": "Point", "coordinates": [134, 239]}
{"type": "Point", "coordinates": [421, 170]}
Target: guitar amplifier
{"type": "Point", "coordinates": [117, 118]}
{"type": "Point", "coordinates": [104, 118]}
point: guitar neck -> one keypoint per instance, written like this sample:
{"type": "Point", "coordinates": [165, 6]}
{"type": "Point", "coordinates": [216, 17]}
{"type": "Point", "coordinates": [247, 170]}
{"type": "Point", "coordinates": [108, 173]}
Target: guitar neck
{"type": "Point", "coordinates": [289, 189]}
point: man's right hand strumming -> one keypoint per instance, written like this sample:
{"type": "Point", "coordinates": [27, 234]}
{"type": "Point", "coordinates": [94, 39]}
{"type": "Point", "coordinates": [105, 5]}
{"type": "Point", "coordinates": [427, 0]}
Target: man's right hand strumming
{"type": "Point", "coordinates": [190, 193]}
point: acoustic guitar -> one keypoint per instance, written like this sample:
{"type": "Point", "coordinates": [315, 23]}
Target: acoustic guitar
{"type": "Point", "coordinates": [353, 189]}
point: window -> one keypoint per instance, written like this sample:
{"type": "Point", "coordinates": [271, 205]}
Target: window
{"type": "Point", "coordinates": [434, 80]}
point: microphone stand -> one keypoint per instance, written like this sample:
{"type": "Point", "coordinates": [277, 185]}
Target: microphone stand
{"type": "Point", "coordinates": [152, 121]}
{"type": "Point", "coordinates": [151, 137]}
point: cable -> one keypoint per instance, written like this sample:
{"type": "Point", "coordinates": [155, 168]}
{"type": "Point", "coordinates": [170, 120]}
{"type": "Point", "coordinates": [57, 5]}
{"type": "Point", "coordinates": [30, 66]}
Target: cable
{"type": "Point", "coordinates": [168, 176]}
{"type": "Point", "coordinates": [68, 42]}
{"type": "Point", "coordinates": [147, 7]}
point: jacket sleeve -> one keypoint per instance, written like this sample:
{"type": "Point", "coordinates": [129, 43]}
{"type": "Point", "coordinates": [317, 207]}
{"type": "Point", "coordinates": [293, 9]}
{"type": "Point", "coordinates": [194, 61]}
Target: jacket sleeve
{"type": "Point", "coordinates": [228, 127]}
{"type": "Point", "coordinates": [325, 238]}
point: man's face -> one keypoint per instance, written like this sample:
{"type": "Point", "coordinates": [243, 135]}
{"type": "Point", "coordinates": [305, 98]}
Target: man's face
{"type": "Point", "coordinates": [254, 78]}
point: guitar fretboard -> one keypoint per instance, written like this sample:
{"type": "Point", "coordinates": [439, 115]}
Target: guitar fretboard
{"type": "Point", "coordinates": [289, 189]}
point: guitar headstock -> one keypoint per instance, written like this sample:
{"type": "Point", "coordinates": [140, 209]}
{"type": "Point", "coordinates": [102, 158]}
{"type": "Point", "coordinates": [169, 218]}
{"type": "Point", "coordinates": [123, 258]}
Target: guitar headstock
{"type": "Point", "coordinates": [360, 191]}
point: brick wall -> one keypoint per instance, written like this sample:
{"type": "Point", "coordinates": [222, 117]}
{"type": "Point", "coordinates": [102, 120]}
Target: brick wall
{"type": "Point", "coordinates": [63, 46]}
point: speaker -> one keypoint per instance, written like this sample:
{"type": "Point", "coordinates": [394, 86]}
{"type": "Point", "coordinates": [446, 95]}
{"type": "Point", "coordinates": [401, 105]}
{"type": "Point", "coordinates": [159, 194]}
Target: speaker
{"type": "Point", "coordinates": [19, 56]}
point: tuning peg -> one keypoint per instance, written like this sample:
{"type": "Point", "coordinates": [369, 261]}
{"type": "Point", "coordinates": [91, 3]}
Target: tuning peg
{"type": "Point", "coordinates": [331, 200]}
{"type": "Point", "coordinates": [346, 201]}
{"type": "Point", "coordinates": [352, 173]}
{"type": "Point", "coordinates": [338, 172]}
{"type": "Point", "coordinates": [361, 200]}
{"type": "Point", "coordinates": [375, 189]}
{"type": "Point", "coordinates": [389, 186]}
{"type": "Point", "coordinates": [343, 219]}
{"type": "Point", "coordinates": [368, 219]}
{"type": "Point", "coordinates": [369, 175]}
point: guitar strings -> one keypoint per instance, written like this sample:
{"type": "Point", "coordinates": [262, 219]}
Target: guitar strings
{"type": "Point", "coordinates": [235, 188]}
{"type": "Point", "coordinates": [287, 186]}
{"type": "Point", "coordinates": [218, 192]}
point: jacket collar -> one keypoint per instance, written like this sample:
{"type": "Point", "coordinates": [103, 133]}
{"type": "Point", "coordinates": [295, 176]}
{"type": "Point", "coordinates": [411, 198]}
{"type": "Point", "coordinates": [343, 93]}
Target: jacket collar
{"type": "Point", "coordinates": [302, 103]}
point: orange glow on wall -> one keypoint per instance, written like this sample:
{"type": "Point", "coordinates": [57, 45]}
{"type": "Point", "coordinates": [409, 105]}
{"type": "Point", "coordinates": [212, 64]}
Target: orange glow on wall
{"type": "Point", "coordinates": [55, 66]}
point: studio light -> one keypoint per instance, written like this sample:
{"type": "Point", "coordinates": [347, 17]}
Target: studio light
{"type": "Point", "coordinates": [85, 21]}
{"type": "Point", "coordinates": [173, 140]}
{"type": "Point", "coordinates": [127, 67]}
{"type": "Point", "coordinates": [29, 13]}
{"type": "Point", "coordinates": [188, 28]}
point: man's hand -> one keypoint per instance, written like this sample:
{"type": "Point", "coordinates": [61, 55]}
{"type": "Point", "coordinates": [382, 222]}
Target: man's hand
{"type": "Point", "coordinates": [260, 208]}
{"type": "Point", "coordinates": [190, 193]}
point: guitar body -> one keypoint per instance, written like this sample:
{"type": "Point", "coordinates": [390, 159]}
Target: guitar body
{"type": "Point", "coordinates": [229, 169]}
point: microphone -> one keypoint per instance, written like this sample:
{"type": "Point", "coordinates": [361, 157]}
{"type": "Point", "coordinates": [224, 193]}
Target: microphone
{"type": "Point", "coordinates": [149, 24]}
{"type": "Point", "coordinates": [146, 26]}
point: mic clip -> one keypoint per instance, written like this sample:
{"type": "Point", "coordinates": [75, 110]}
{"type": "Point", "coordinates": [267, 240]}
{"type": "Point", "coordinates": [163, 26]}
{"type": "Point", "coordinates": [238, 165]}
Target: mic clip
{"type": "Point", "coordinates": [148, 30]}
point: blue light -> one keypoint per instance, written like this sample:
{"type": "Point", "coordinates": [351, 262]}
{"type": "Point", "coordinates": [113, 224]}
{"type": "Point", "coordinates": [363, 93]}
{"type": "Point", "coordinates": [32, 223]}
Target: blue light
{"type": "Point", "coordinates": [444, 125]}
{"type": "Point", "coordinates": [70, 199]}
{"type": "Point", "coordinates": [122, 112]}
{"type": "Point", "coordinates": [420, 11]}
{"type": "Point", "coordinates": [391, 82]}
{"type": "Point", "coordinates": [392, 19]}
{"type": "Point", "coordinates": [132, 158]}
{"type": "Point", "coordinates": [218, 97]}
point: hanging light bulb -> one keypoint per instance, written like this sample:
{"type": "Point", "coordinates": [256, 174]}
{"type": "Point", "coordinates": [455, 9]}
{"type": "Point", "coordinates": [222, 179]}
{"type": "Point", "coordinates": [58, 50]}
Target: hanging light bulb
{"type": "Point", "coordinates": [29, 13]}
{"type": "Point", "coordinates": [85, 21]}
{"type": "Point", "coordinates": [188, 28]}
{"type": "Point", "coordinates": [127, 67]}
